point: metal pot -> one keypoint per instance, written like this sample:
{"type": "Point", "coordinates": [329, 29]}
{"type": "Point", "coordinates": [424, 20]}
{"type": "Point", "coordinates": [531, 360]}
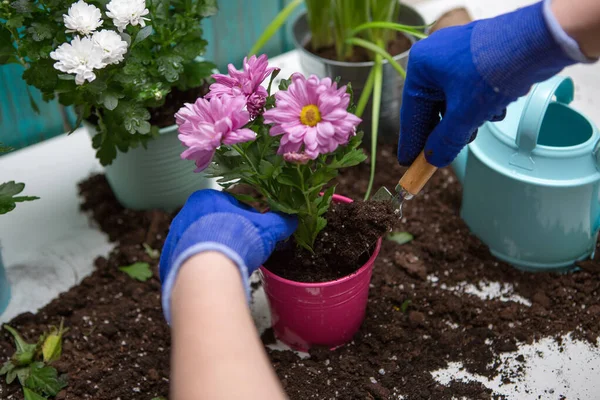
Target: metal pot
{"type": "Point", "coordinates": [358, 72]}
{"type": "Point", "coordinates": [155, 176]}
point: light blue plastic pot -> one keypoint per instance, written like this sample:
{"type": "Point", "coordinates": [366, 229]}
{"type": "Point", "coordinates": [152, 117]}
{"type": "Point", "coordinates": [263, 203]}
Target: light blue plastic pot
{"type": "Point", "coordinates": [531, 182]}
{"type": "Point", "coordinates": [156, 176]}
{"type": "Point", "coordinates": [4, 287]}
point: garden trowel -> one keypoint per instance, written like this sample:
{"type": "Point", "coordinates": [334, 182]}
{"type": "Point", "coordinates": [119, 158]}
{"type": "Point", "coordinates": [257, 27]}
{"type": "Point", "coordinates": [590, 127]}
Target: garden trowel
{"type": "Point", "coordinates": [411, 183]}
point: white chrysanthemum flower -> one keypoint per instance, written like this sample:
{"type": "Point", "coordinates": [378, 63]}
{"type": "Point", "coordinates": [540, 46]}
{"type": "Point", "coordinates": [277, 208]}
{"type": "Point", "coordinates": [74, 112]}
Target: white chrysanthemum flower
{"type": "Point", "coordinates": [125, 12]}
{"type": "Point", "coordinates": [80, 57]}
{"type": "Point", "coordinates": [83, 18]}
{"type": "Point", "coordinates": [113, 47]}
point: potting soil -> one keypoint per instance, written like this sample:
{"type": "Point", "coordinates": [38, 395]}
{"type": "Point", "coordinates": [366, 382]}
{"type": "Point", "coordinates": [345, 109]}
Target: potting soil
{"type": "Point", "coordinates": [398, 45]}
{"type": "Point", "coordinates": [424, 311]}
{"type": "Point", "coordinates": [341, 248]}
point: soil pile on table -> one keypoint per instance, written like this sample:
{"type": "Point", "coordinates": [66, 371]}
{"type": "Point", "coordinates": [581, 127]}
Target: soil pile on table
{"type": "Point", "coordinates": [419, 317]}
{"type": "Point", "coordinates": [118, 343]}
{"type": "Point", "coordinates": [341, 248]}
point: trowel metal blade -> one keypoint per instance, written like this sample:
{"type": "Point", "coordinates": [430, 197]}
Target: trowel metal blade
{"type": "Point", "coordinates": [383, 194]}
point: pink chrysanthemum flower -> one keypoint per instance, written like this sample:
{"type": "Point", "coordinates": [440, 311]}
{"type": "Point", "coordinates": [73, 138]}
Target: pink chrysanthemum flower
{"type": "Point", "coordinates": [311, 115]}
{"type": "Point", "coordinates": [205, 125]}
{"type": "Point", "coordinates": [246, 82]}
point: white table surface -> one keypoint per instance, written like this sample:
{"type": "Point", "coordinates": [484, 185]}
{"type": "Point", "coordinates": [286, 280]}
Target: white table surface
{"type": "Point", "coordinates": [49, 246]}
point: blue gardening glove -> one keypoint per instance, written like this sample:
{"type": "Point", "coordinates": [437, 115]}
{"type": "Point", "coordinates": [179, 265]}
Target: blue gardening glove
{"type": "Point", "coordinates": [216, 221]}
{"type": "Point", "coordinates": [469, 74]}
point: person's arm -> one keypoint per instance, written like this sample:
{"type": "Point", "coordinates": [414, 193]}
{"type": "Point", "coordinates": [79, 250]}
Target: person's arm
{"type": "Point", "coordinates": [216, 353]}
{"type": "Point", "coordinates": [214, 244]}
{"type": "Point", "coordinates": [581, 20]}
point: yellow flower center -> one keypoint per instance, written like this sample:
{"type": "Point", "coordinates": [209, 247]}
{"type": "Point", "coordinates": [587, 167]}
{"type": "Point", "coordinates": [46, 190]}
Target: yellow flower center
{"type": "Point", "coordinates": [310, 115]}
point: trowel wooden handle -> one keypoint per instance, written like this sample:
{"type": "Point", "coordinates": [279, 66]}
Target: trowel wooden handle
{"type": "Point", "coordinates": [417, 175]}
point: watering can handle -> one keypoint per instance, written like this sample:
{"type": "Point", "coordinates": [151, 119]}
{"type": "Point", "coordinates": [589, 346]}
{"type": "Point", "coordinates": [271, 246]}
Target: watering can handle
{"type": "Point", "coordinates": [417, 175]}
{"type": "Point", "coordinates": [560, 88]}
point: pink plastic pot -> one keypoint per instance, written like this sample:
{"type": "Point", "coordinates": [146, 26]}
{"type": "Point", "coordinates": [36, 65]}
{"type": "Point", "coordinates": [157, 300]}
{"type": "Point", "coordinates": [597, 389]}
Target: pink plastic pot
{"type": "Point", "coordinates": [326, 313]}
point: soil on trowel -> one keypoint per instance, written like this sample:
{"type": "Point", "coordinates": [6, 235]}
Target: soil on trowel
{"type": "Point", "coordinates": [419, 317]}
{"type": "Point", "coordinates": [342, 247]}
{"type": "Point", "coordinates": [397, 45]}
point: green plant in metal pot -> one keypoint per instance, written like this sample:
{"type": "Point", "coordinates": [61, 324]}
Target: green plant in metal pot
{"type": "Point", "coordinates": [357, 25]}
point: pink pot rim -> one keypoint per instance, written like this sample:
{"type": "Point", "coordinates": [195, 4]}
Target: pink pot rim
{"type": "Point", "coordinates": [370, 262]}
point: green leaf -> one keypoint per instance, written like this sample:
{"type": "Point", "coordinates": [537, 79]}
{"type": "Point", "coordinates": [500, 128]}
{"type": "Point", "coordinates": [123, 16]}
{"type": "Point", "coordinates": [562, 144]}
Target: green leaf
{"type": "Point", "coordinates": [22, 373]}
{"type": "Point", "coordinates": [15, 22]}
{"type": "Point", "coordinates": [42, 75]}
{"type": "Point", "coordinates": [266, 168]}
{"type": "Point", "coordinates": [350, 159]}
{"type": "Point", "coordinates": [135, 117]}
{"type": "Point", "coordinates": [31, 395]}
{"type": "Point", "coordinates": [8, 200]}
{"type": "Point", "coordinates": [170, 66]}
{"type": "Point", "coordinates": [140, 271]}
{"type": "Point", "coordinates": [207, 8]}
{"type": "Point", "coordinates": [322, 176]}
{"type": "Point", "coordinates": [284, 84]}
{"type": "Point", "coordinates": [23, 6]}
{"type": "Point", "coordinates": [7, 367]}
{"type": "Point", "coordinates": [400, 237]}
{"type": "Point", "coordinates": [52, 346]}
{"type": "Point", "coordinates": [194, 74]}
{"type": "Point", "coordinates": [5, 149]}
{"type": "Point", "coordinates": [126, 38]}
{"type": "Point", "coordinates": [106, 153]}
{"type": "Point", "coordinates": [323, 202]}
{"type": "Point", "coordinates": [321, 224]}
{"type": "Point", "coordinates": [6, 47]}
{"type": "Point", "coordinates": [40, 31]}
{"type": "Point", "coordinates": [277, 206]}
{"type": "Point", "coordinates": [404, 306]}
{"type": "Point", "coordinates": [150, 252]}
{"type": "Point", "coordinates": [96, 86]}
{"type": "Point", "coordinates": [289, 179]}
{"type": "Point", "coordinates": [44, 379]}
{"type": "Point", "coordinates": [143, 34]}
{"type": "Point", "coordinates": [110, 100]}
{"type": "Point", "coordinates": [190, 48]}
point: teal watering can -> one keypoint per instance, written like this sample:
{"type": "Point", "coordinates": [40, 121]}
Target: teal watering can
{"type": "Point", "coordinates": [531, 182]}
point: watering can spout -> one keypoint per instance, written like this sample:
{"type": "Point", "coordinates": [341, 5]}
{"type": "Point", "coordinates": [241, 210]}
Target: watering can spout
{"type": "Point", "coordinates": [459, 165]}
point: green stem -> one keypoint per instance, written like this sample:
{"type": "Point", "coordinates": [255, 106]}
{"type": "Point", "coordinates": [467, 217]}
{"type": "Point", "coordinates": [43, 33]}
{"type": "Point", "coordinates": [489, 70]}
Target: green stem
{"type": "Point", "coordinates": [241, 153]}
{"type": "Point", "coordinates": [377, 89]}
{"type": "Point", "coordinates": [15, 36]}
{"type": "Point", "coordinates": [263, 191]}
{"type": "Point", "coordinates": [274, 26]}
{"type": "Point", "coordinates": [306, 198]}
{"type": "Point", "coordinates": [378, 50]}
{"type": "Point", "coordinates": [366, 93]}
{"type": "Point", "coordinates": [413, 30]}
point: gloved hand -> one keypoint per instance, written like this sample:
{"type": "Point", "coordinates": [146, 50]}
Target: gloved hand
{"type": "Point", "coordinates": [216, 221]}
{"type": "Point", "coordinates": [469, 74]}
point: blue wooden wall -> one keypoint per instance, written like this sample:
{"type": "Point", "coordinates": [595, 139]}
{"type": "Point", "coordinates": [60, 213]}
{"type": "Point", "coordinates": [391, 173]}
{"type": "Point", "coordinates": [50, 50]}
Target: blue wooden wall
{"type": "Point", "coordinates": [239, 23]}
{"type": "Point", "coordinates": [230, 35]}
{"type": "Point", "coordinates": [20, 126]}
